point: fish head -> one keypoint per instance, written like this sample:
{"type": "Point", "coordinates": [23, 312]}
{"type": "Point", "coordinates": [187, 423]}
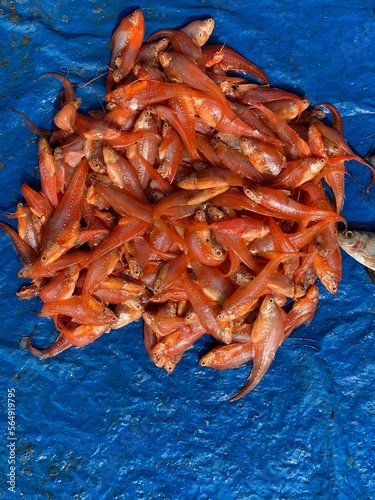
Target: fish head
{"type": "Point", "coordinates": [360, 245]}
{"type": "Point", "coordinates": [331, 282]}
{"type": "Point", "coordinates": [51, 252]}
{"type": "Point", "coordinates": [269, 306]}
{"type": "Point", "coordinates": [351, 241]}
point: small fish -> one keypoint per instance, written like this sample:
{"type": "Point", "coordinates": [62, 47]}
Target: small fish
{"type": "Point", "coordinates": [361, 246]}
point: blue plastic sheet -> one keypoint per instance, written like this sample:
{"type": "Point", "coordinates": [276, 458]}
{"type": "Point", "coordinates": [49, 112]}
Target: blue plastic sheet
{"type": "Point", "coordinates": [103, 421]}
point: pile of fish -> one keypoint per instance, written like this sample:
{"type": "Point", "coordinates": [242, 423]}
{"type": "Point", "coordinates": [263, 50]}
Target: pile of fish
{"type": "Point", "coordinates": [196, 201]}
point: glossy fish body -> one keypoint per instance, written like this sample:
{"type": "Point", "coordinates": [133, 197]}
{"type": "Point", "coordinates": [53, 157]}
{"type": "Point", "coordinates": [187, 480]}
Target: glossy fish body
{"type": "Point", "coordinates": [266, 336]}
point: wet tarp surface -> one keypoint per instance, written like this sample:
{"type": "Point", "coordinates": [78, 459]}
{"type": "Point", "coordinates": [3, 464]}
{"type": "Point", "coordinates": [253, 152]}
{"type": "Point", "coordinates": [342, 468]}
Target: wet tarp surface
{"type": "Point", "coordinates": [103, 421]}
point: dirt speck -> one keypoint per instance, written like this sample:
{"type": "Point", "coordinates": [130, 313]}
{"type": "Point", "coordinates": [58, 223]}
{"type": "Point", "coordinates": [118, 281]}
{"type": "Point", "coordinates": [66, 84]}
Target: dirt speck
{"type": "Point", "coordinates": [13, 17]}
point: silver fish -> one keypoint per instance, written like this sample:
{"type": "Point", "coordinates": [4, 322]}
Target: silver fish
{"type": "Point", "coordinates": [360, 245]}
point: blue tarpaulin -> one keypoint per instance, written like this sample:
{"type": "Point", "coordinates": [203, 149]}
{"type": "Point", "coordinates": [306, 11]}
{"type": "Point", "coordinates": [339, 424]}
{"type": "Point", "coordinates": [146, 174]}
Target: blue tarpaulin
{"type": "Point", "coordinates": [102, 421]}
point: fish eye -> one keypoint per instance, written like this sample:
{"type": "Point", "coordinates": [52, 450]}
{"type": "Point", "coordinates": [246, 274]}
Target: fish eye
{"type": "Point", "coordinates": [349, 234]}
